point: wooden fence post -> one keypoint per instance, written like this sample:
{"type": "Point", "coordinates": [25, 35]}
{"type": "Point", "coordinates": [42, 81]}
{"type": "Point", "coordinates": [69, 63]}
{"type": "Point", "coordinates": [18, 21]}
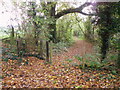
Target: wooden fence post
{"type": "Point", "coordinates": [41, 48]}
{"type": "Point", "coordinates": [18, 47]}
{"type": "Point", "coordinates": [47, 51]}
{"type": "Point", "coordinates": [21, 47]}
{"type": "Point", "coordinates": [51, 51]}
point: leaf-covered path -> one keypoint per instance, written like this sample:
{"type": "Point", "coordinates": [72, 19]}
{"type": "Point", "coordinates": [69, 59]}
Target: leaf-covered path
{"type": "Point", "coordinates": [80, 47]}
{"type": "Point", "coordinates": [59, 74]}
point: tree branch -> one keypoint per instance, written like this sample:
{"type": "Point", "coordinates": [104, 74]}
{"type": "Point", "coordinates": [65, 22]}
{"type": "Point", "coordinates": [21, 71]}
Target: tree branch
{"type": "Point", "coordinates": [89, 14]}
{"type": "Point", "coordinates": [73, 10]}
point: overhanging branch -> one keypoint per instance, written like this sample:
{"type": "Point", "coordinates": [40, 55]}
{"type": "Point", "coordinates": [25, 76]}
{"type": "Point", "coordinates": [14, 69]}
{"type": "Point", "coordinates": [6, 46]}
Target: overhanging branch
{"type": "Point", "coordinates": [89, 14]}
{"type": "Point", "coordinates": [73, 10]}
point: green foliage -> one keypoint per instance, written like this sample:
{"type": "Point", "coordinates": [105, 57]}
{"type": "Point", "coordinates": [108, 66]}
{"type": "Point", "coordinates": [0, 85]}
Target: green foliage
{"type": "Point", "coordinates": [114, 41]}
{"type": "Point", "coordinates": [81, 60]}
{"type": "Point", "coordinates": [5, 59]}
{"type": "Point", "coordinates": [92, 61]}
{"type": "Point", "coordinates": [114, 72]}
{"type": "Point", "coordinates": [89, 61]}
{"type": "Point", "coordinates": [88, 29]}
{"type": "Point", "coordinates": [69, 60]}
{"type": "Point", "coordinates": [59, 47]}
{"type": "Point", "coordinates": [10, 54]}
{"type": "Point", "coordinates": [64, 29]}
{"type": "Point", "coordinates": [78, 86]}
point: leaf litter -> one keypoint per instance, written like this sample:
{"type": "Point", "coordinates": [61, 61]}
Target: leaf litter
{"type": "Point", "coordinates": [59, 74]}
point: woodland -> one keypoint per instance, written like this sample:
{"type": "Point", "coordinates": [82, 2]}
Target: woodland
{"type": "Point", "coordinates": [61, 45]}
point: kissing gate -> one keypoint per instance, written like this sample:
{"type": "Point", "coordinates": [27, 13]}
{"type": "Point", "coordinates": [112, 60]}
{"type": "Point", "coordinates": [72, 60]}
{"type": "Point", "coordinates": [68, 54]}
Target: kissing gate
{"type": "Point", "coordinates": [41, 50]}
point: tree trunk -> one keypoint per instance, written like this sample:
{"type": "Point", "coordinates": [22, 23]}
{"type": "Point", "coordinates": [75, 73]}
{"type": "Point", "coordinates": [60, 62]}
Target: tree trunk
{"type": "Point", "coordinates": [12, 32]}
{"type": "Point", "coordinates": [105, 44]}
{"type": "Point", "coordinates": [33, 15]}
{"type": "Point", "coordinates": [53, 32]}
{"type": "Point", "coordinates": [118, 61]}
{"type": "Point", "coordinates": [52, 26]}
{"type": "Point", "coordinates": [105, 29]}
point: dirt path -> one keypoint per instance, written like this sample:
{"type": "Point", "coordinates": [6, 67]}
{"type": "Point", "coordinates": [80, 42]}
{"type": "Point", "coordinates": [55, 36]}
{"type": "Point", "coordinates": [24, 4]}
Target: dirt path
{"type": "Point", "coordinates": [80, 47]}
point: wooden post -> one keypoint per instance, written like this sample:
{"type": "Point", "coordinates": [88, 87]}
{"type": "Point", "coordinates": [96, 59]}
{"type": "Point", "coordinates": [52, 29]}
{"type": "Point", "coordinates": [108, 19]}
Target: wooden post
{"type": "Point", "coordinates": [51, 51]}
{"type": "Point", "coordinates": [41, 48]}
{"type": "Point", "coordinates": [23, 47]}
{"type": "Point", "coordinates": [47, 51]}
{"type": "Point", "coordinates": [12, 32]}
{"type": "Point", "coordinates": [26, 50]}
{"type": "Point", "coordinates": [18, 48]}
